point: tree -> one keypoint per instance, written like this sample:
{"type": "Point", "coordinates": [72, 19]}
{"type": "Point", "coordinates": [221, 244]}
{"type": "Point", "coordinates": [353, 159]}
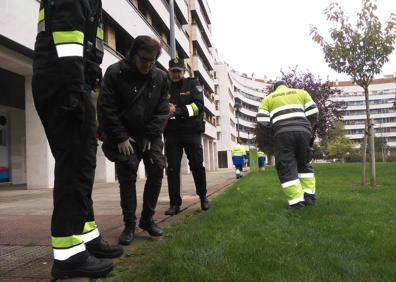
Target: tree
{"type": "Point", "coordinates": [360, 52]}
{"type": "Point", "coordinates": [321, 92]}
{"type": "Point", "coordinates": [340, 149]}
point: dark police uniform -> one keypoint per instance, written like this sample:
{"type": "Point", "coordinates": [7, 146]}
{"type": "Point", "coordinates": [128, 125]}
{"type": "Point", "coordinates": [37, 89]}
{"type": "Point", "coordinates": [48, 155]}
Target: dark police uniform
{"type": "Point", "coordinates": [123, 112]}
{"type": "Point", "coordinates": [292, 113]}
{"type": "Point", "coordinates": [67, 55]}
{"type": "Point", "coordinates": [184, 131]}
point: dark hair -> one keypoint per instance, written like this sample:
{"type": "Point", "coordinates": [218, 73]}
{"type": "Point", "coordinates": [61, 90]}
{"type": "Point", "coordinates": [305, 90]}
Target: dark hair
{"type": "Point", "coordinates": [278, 83]}
{"type": "Point", "coordinates": [146, 43]}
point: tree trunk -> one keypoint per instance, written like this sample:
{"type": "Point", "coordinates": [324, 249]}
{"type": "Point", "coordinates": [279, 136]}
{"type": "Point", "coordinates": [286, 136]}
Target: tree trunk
{"type": "Point", "coordinates": [373, 179]}
{"type": "Point", "coordinates": [364, 157]}
{"type": "Point", "coordinates": [371, 138]}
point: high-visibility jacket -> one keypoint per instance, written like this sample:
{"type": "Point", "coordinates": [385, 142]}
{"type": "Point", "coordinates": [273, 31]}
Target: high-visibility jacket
{"type": "Point", "coordinates": [70, 38]}
{"type": "Point", "coordinates": [238, 154]}
{"type": "Point", "coordinates": [287, 109]}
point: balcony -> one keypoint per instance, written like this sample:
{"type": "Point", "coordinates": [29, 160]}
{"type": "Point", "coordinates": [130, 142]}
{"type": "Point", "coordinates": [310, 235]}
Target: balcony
{"type": "Point", "coordinates": [210, 106]}
{"type": "Point", "coordinates": [197, 13]}
{"type": "Point", "coordinates": [183, 8]}
{"type": "Point", "coordinates": [130, 19]}
{"type": "Point", "coordinates": [197, 37]}
{"type": "Point", "coordinates": [210, 130]}
{"type": "Point", "coordinates": [206, 10]}
{"type": "Point", "coordinates": [198, 66]}
{"type": "Point", "coordinates": [162, 8]}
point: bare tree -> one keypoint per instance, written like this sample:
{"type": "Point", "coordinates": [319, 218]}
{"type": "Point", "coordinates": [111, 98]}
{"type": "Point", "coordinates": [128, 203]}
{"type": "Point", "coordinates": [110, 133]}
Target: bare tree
{"type": "Point", "coordinates": [360, 52]}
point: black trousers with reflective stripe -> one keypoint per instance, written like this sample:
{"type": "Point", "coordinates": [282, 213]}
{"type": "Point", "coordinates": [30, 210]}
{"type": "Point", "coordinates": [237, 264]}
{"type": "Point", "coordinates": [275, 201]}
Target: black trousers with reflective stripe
{"type": "Point", "coordinates": [69, 124]}
{"type": "Point", "coordinates": [174, 145]}
{"type": "Point", "coordinates": [293, 155]}
{"type": "Point", "coordinates": [154, 162]}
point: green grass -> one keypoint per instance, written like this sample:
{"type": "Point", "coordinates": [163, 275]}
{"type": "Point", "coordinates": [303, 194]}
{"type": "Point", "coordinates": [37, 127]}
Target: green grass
{"type": "Point", "coordinates": [250, 235]}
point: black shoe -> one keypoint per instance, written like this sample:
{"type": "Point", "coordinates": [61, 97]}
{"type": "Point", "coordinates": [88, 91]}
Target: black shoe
{"type": "Point", "coordinates": [204, 203]}
{"type": "Point", "coordinates": [102, 249]}
{"type": "Point", "coordinates": [298, 206]}
{"type": "Point", "coordinates": [310, 199]}
{"type": "Point", "coordinates": [92, 268]}
{"type": "Point", "coordinates": [172, 210]}
{"type": "Point", "coordinates": [127, 235]}
{"type": "Point", "coordinates": [152, 228]}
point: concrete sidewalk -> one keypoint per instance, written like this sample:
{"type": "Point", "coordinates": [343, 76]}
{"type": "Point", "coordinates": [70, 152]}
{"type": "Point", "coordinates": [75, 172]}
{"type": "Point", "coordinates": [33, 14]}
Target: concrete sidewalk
{"type": "Point", "coordinates": [25, 216]}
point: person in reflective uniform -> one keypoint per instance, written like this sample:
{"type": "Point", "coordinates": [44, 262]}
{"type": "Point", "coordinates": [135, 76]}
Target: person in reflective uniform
{"type": "Point", "coordinates": [67, 55]}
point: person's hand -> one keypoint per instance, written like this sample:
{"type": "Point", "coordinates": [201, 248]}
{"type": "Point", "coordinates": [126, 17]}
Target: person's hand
{"type": "Point", "coordinates": [172, 110]}
{"type": "Point", "coordinates": [146, 146]}
{"type": "Point", "coordinates": [126, 147]}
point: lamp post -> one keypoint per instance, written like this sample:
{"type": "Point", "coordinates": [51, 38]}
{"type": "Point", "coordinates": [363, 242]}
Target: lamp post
{"type": "Point", "coordinates": [237, 107]}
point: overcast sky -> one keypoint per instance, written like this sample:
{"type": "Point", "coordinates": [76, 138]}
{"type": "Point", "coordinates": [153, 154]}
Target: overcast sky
{"type": "Point", "coordinates": [262, 36]}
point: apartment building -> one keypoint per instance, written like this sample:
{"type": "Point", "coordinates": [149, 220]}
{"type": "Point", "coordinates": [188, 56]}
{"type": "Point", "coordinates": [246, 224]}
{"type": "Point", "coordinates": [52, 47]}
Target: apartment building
{"type": "Point", "coordinates": [25, 157]}
{"type": "Point", "coordinates": [239, 99]}
{"type": "Point", "coordinates": [382, 101]}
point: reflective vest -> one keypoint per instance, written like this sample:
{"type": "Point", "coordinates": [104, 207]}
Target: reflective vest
{"type": "Point", "coordinates": [288, 109]}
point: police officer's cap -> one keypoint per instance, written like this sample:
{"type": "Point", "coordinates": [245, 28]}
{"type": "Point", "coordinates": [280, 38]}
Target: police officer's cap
{"type": "Point", "coordinates": [278, 83]}
{"type": "Point", "coordinates": [177, 64]}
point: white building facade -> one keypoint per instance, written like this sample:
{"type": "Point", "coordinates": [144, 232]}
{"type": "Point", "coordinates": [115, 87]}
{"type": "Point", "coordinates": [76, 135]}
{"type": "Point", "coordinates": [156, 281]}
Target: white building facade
{"type": "Point", "coordinates": [239, 99]}
{"type": "Point", "coordinates": [382, 101]}
{"type": "Point", "coordinates": [25, 157]}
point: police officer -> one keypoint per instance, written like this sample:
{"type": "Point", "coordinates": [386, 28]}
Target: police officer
{"type": "Point", "coordinates": [67, 55]}
{"type": "Point", "coordinates": [132, 112]}
{"type": "Point", "coordinates": [238, 158]}
{"type": "Point", "coordinates": [292, 115]}
{"type": "Point", "coordinates": [184, 131]}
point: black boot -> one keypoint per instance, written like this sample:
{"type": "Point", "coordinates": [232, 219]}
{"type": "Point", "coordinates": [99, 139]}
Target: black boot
{"type": "Point", "coordinates": [310, 199]}
{"type": "Point", "coordinates": [297, 206]}
{"type": "Point", "coordinates": [92, 268]}
{"type": "Point", "coordinates": [204, 203]}
{"type": "Point", "coordinates": [101, 249]}
{"type": "Point", "coordinates": [127, 235]}
{"type": "Point", "coordinates": [152, 228]}
{"type": "Point", "coordinates": [172, 210]}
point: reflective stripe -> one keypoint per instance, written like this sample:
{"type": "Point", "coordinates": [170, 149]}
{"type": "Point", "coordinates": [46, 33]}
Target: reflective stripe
{"type": "Point", "coordinates": [41, 26]}
{"type": "Point", "coordinates": [308, 104]}
{"type": "Point", "coordinates": [99, 44]}
{"type": "Point", "coordinates": [263, 119]}
{"type": "Point", "coordinates": [306, 175]}
{"type": "Point", "coordinates": [295, 201]}
{"type": "Point", "coordinates": [99, 33]}
{"type": "Point", "coordinates": [68, 50]}
{"type": "Point", "coordinates": [89, 226]}
{"type": "Point", "coordinates": [74, 36]}
{"type": "Point", "coordinates": [66, 242]}
{"type": "Point", "coordinates": [261, 111]}
{"type": "Point", "coordinates": [41, 15]}
{"type": "Point", "coordinates": [190, 110]}
{"type": "Point", "coordinates": [311, 112]}
{"type": "Point", "coordinates": [87, 237]}
{"type": "Point", "coordinates": [286, 116]}
{"type": "Point", "coordinates": [195, 109]}
{"type": "Point", "coordinates": [64, 254]}
{"type": "Point", "coordinates": [237, 154]}
{"type": "Point", "coordinates": [286, 107]}
{"type": "Point", "coordinates": [309, 191]}
{"type": "Point", "coordinates": [290, 183]}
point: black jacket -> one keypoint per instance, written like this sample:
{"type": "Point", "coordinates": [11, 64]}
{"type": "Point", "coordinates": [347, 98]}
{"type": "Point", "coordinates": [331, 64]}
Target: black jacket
{"type": "Point", "coordinates": [187, 95]}
{"type": "Point", "coordinates": [121, 114]}
{"type": "Point", "coordinates": [70, 41]}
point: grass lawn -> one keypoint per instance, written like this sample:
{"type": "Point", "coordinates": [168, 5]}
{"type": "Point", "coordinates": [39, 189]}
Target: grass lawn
{"type": "Point", "coordinates": [250, 235]}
